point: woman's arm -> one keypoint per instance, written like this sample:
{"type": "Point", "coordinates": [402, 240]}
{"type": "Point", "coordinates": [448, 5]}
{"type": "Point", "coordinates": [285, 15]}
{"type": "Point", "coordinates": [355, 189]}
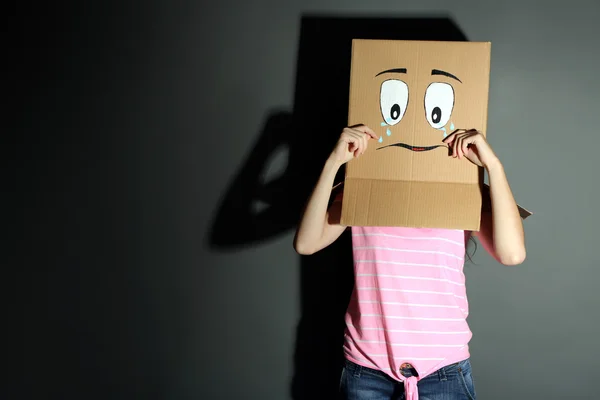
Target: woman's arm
{"type": "Point", "coordinates": [501, 231]}
{"type": "Point", "coordinates": [319, 226]}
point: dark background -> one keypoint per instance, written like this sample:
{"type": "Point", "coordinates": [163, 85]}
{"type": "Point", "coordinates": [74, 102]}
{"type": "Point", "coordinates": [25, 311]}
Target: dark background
{"type": "Point", "coordinates": [158, 154]}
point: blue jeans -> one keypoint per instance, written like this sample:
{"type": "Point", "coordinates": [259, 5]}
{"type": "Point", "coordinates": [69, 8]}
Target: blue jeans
{"type": "Point", "coordinates": [453, 382]}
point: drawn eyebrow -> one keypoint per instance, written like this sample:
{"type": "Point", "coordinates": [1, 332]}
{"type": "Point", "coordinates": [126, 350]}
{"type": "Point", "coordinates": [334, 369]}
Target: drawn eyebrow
{"type": "Point", "coordinates": [448, 74]}
{"type": "Point", "coordinates": [394, 70]}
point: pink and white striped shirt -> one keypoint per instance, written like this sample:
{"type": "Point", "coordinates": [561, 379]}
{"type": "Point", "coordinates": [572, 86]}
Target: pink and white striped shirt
{"type": "Point", "coordinates": [409, 303]}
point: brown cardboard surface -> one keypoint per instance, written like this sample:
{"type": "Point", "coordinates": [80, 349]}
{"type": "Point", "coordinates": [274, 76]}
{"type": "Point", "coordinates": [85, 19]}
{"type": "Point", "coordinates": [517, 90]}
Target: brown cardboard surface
{"type": "Point", "coordinates": [523, 212]}
{"type": "Point", "coordinates": [416, 90]}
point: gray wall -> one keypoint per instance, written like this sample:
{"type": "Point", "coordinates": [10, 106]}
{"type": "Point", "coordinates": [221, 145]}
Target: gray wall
{"type": "Point", "coordinates": [137, 118]}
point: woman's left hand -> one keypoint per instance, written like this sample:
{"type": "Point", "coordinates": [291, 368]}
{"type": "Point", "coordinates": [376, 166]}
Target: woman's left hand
{"type": "Point", "coordinates": [472, 145]}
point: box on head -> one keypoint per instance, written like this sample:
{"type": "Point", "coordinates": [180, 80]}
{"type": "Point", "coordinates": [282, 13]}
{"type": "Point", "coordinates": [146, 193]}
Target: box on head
{"type": "Point", "coordinates": [414, 94]}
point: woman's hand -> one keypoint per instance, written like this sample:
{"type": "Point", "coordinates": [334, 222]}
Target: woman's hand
{"type": "Point", "coordinates": [320, 225]}
{"type": "Point", "coordinates": [501, 231]}
{"type": "Point", "coordinates": [352, 143]}
{"type": "Point", "coordinates": [472, 145]}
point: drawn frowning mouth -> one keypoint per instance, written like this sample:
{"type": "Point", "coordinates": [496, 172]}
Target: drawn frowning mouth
{"type": "Point", "coordinates": [413, 148]}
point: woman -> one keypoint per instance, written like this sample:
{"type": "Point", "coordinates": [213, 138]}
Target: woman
{"type": "Point", "coordinates": [406, 330]}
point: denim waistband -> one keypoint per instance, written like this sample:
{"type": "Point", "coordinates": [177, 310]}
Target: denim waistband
{"type": "Point", "coordinates": [406, 371]}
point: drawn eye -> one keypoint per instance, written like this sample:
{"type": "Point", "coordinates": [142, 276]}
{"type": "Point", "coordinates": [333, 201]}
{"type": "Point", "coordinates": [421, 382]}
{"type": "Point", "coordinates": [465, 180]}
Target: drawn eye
{"type": "Point", "coordinates": [393, 100]}
{"type": "Point", "coordinates": [439, 102]}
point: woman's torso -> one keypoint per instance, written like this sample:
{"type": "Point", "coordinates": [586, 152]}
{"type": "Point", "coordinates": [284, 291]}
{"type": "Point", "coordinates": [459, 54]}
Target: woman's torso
{"type": "Point", "coordinates": [409, 302]}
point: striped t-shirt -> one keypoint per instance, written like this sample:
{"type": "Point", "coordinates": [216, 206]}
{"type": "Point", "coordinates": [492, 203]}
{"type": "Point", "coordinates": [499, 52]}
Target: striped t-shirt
{"type": "Point", "coordinates": [409, 303]}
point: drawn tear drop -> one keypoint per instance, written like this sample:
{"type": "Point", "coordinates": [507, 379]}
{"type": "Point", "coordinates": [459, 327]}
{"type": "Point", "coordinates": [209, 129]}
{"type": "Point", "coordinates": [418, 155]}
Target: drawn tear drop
{"type": "Point", "coordinates": [388, 132]}
{"type": "Point", "coordinates": [444, 130]}
{"type": "Point", "coordinates": [383, 124]}
{"type": "Point", "coordinates": [451, 126]}
{"type": "Point", "coordinates": [380, 139]}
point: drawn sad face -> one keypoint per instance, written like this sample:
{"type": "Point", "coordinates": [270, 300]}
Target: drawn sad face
{"type": "Point", "coordinates": [413, 94]}
{"type": "Point", "coordinates": [437, 100]}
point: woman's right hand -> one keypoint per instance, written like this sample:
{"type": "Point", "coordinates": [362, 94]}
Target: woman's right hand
{"type": "Point", "coordinates": [352, 143]}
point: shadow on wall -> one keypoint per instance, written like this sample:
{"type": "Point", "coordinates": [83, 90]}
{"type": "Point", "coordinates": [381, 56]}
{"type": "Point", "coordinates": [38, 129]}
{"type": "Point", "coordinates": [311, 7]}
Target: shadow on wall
{"type": "Point", "coordinates": [309, 133]}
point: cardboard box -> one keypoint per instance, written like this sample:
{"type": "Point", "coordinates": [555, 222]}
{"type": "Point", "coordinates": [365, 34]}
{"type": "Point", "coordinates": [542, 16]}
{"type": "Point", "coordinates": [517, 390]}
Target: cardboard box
{"type": "Point", "coordinates": [414, 93]}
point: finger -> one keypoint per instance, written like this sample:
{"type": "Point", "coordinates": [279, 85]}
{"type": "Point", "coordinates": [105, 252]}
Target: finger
{"type": "Point", "coordinates": [365, 140]}
{"type": "Point", "coordinates": [365, 129]}
{"type": "Point", "coordinates": [359, 147]}
{"type": "Point", "coordinates": [351, 147]}
{"type": "Point", "coordinates": [449, 138]}
{"type": "Point", "coordinates": [348, 132]}
{"type": "Point", "coordinates": [372, 133]}
{"type": "Point", "coordinates": [472, 132]}
{"type": "Point", "coordinates": [455, 145]}
{"type": "Point", "coordinates": [464, 142]}
{"type": "Point", "coordinates": [464, 137]}
{"type": "Point", "coordinates": [358, 141]}
{"type": "Point", "coordinates": [452, 143]}
{"type": "Point", "coordinates": [465, 145]}
{"type": "Point", "coordinates": [354, 143]}
{"type": "Point", "coordinates": [350, 135]}
{"type": "Point", "coordinates": [453, 135]}
{"type": "Point", "coordinates": [366, 134]}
